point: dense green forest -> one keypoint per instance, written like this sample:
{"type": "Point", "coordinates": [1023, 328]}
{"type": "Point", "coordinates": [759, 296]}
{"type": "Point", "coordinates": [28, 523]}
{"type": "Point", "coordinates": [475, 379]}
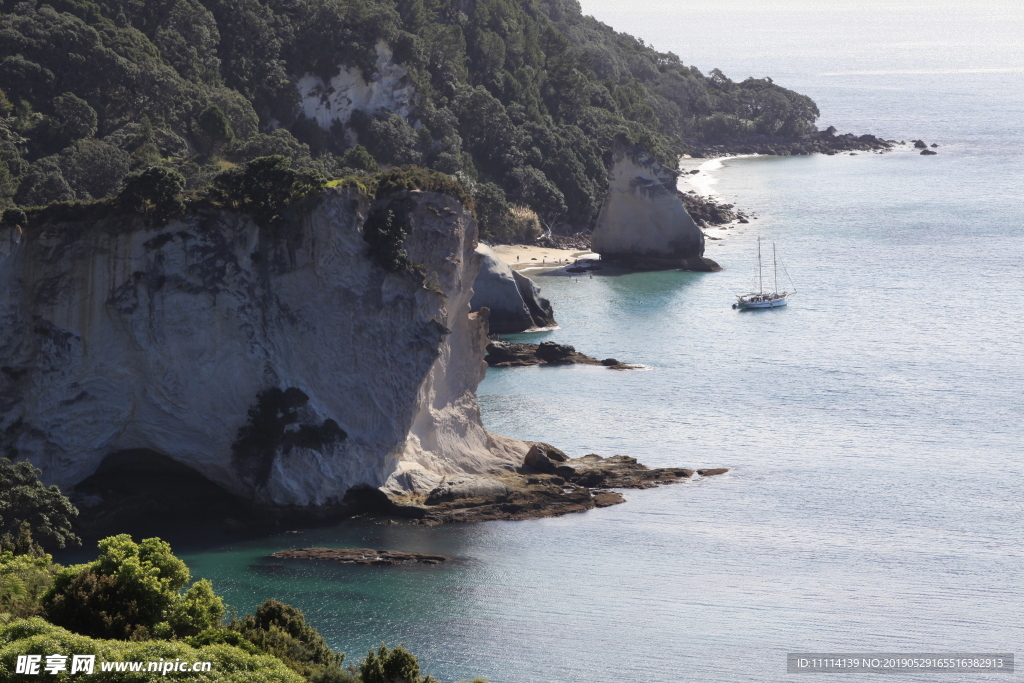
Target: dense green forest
{"type": "Point", "coordinates": [520, 99]}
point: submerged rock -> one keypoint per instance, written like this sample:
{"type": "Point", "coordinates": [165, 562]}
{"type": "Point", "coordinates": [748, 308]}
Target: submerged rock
{"type": "Point", "coordinates": [643, 222]}
{"type": "Point", "coordinates": [358, 556]}
{"type": "Point", "coordinates": [514, 301]}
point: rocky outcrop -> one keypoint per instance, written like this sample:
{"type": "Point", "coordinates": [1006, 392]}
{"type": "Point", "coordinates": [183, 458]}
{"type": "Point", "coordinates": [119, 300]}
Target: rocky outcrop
{"type": "Point", "coordinates": [643, 223]}
{"type": "Point", "coordinates": [510, 355]}
{"type": "Point", "coordinates": [283, 367]}
{"type": "Point", "coordinates": [334, 101]}
{"type": "Point", "coordinates": [377, 558]}
{"type": "Point", "coordinates": [822, 142]}
{"type": "Point", "coordinates": [514, 302]}
{"type": "Point", "coordinates": [549, 484]}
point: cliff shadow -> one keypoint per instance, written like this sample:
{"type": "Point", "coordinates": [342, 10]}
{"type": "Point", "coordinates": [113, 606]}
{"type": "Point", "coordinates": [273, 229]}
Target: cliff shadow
{"type": "Point", "coordinates": [145, 493]}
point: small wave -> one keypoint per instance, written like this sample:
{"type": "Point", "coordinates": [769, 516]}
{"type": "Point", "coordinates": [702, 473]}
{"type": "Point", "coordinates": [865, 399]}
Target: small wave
{"type": "Point", "coordinates": [703, 183]}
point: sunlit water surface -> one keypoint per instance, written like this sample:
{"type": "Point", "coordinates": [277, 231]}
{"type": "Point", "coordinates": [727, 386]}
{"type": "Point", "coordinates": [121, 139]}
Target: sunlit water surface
{"type": "Point", "coordinates": [873, 426]}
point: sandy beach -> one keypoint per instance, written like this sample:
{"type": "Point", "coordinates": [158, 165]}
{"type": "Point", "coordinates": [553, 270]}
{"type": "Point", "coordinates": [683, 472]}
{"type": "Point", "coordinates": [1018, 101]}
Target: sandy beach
{"type": "Point", "coordinates": [521, 256]}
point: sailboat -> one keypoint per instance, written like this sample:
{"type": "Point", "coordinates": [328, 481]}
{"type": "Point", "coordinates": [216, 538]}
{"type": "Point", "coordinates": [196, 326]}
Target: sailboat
{"type": "Point", "coordinates": [761, 298]}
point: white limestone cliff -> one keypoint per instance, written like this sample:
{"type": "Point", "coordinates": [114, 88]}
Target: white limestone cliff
{"type": "Point", "coordinates": [328, 102]}
{"type": "Point", "coordinates": [117, 339]}
{"type": "Point", "coordinates": [643, 222]}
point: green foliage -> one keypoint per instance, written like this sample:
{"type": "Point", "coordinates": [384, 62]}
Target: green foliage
{"type": "Point", "coordinates": [196, 611]}
{"type": "Point", "coordinates": [93, 168]}
{"type": "Point", "coordinates": [277, 143]}
{"type": "Point", "coordinates": [223, 636]}
{"type": "Point", "coordinates": [131, 592]}
{"type": "Point", "coordinates": [385, 231]}
{"type": "Point", "coordinates": [524, 96]}
{"type": "Point", "coordinates": [397, 665]}
{"type": "Point", "coordinates": [24, 500]}
{"type": "Point", "coordinates": [13, 217]}
{"type": "Point", "coordinates": [25, 575]}
{"type": "Point", "coordinates": [282, 631]}
{"type": "Point", "coordinates": [44, 184]}
{"type": "Point", "coordinates": [418, 178]}
{"type": "Point", "coordinates": [229, 664]}
{"type": "Point", "coordinates": [154, 193]}
{"type": "Point", "coordinates": [214, 127]}
{"type": "Point", "coordinates": [388, 138]}
{"type": "Point", "coordinates": [359, 159]}
{"type": "Point", "coordinates": [265, 188]}
{"type": "Point", "coordinates": [493, 213]}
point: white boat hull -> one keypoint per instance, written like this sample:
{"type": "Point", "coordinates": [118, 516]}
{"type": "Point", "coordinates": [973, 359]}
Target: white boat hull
{"type": "Point", "coordinates": [773, 303]}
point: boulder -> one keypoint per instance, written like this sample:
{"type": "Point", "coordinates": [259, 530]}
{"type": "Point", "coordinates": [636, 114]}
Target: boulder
{"type": "Point", "coordinates": [713, 471]}
{"type": "Point", "coordinates": [603, 499]}
{"type": "Point", "coordinates": [920, 144]}
{"type": "Point", "coordinates": [553, 353]}
{"type": "Point", "coordinates": [514, 302]}
{"type": "Point", "coordinates": [928, 152]}
{"type": "Point", "coordinates": [542, 457]}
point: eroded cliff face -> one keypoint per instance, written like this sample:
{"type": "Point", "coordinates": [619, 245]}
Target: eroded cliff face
{"type": "Point", "coordinates": [284, 368]}
{"type": "Point", "coordinates": [390, 89]}
{"type": "Point", "coordinates": [643, 222]}
{"type": "Point", "coordinates": [514, 302]}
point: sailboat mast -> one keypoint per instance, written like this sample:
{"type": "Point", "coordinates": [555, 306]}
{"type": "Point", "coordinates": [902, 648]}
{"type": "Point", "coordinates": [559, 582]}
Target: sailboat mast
{"type": "Point", "coordinates": [760, 279]}
{"type": "Point", "coordinates": [775, 263]}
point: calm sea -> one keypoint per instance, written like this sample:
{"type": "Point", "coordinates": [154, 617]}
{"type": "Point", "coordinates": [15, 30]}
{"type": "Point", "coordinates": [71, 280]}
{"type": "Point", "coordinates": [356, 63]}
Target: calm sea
{"type": "Point", "coordinates": [874, 427]}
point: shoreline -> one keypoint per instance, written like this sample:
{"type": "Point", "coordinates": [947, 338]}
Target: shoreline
{"type": "Point", "coordinates": [530, 256]}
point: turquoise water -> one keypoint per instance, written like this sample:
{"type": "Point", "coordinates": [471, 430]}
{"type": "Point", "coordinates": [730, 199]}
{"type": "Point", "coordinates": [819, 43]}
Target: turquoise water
{"type": "Point", "coordinates": [873, 425]}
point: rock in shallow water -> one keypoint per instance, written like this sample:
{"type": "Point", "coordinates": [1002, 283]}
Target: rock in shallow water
{"type": "Point", "coordinates": [358, 556]}
{"type": "Point", "coordinates": [643, 222]}
{"type": "Point", "coordinates": [550, 487]}
{"type": "Point", "coordinates": [507, 354]}
{"type": "Point", "coordinates": [514, 301]}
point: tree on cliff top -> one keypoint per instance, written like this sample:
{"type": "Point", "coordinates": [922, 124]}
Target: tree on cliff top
{"type": "Point", "coordinates": [155, 193]}
{"type": "Point", "coordinates": [265, 188]}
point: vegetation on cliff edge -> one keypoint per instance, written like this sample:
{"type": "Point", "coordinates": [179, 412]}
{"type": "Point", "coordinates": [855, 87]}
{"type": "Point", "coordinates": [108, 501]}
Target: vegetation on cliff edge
{"type": "Point", "coordinates": [520, 99]}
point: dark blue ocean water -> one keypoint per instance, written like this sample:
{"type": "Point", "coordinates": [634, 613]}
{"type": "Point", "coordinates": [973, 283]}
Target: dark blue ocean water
{"type": "Point", "coordinates": [874, 426]}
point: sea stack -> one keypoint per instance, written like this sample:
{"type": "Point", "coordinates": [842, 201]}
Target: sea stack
{"type": "Point", "coordinates": [514, 302]}
{"type": "Point", "coordinates": [643, 223]}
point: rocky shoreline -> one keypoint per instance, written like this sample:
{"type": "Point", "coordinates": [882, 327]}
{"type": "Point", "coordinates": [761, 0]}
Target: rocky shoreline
{"type": "Point", "coordinates": [547, 483]}
{"type": "Point", "coordinates": [509, 355]}
{"type": "Point", "coordinates": [550, 484]}
{"type": "Point", "coordinates": [822, 142]}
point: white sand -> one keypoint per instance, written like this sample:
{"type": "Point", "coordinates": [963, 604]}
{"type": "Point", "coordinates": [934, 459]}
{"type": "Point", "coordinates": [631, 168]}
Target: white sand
{"type": "Point", "coordinates": [521, 256]}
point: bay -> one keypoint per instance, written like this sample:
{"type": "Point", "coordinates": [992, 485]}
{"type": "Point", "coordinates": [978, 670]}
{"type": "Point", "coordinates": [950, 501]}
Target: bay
{"type": "Point", "coordinates": [873, 426]}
